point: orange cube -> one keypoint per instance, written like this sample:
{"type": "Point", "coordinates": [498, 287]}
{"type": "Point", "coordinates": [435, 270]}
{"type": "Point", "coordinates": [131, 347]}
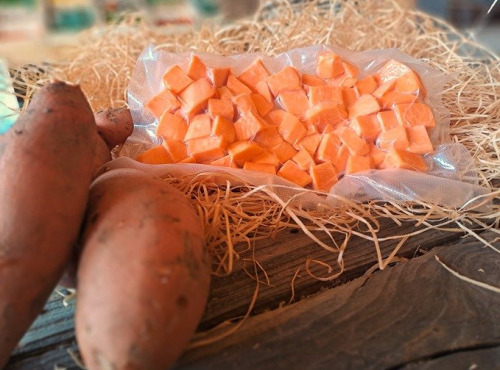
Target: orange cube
{"type": "Point", "coordinates": [262, 88]}
{"type": "Point", "coordinates": [409, 83]}
{"type": "Point", "coordinates": [165, 101]}
{"type": "Point", "coordinates": [219, 76]}
{"type": "Point", "coordinates": [244, 151]}
{"type": "Point", "coordinates": [387, 120]}
{"type": "Point", "coordinates": [392, 98]}
{"type": "Point", "coordinates": [196, 68]}
{"type": "Point", "coordinates": [290, 171]}
{"type": "Point", "coordinates": [176, 80]}
{"type": "Point", "coordinates": [291, 128]}
{"type": "Point", "coordinates": [155, 155]}
{"type": "Point", "coordinates": [286, 79]}
{"type": "Point", "coordinates": [244, 104]}
{"type": "Point", "coordinates": [367, 85]}
{"type": "Point", "coordinates": [349, 96]}
{"type": "Point", "coordinates": [195, 96]}
{"type": "Point", "coordinates": [225, 161]}
{"type": "Point", "coordinates": [295, 102]}
{"type": "Point", "coordinates": [200, 126]}
{"type": "Point", "coordinates": [328, 148]}
{"type": "Point", "coordinates": [377, 155]}
{"type": "Point", "coordinates": [260, 167]}
{"type": "Point", "coordinates": [176, 149]}
{"type": "Point", "coordinates": [267, 158]}
{"type": "Point", "coordinates": [384, 89]}
{"type": "Point", "coordinates": [416, 114]}
{"type": "Point", "coordinates": [268, 137]}
{"type": "Point", "coordinates": [355, 144]}
{"type": "Point", "coordinates": [262, 104]}
{"type": "Point", "coordinates": [366, 127]}
{"type": "Point", "coordinates": [223, 127]}
{"type": "Point", "coordinates": [246, 127]}
{"type": "Point", "coordinates": [254, 74]}
{"type": "Point", "coordinates": [284, 151]}
{"type": "Point", "coordinates": [236, 86]}
{"type": "Point", "coordinates": [323, 176]}
{"type": "Point", "coordinates": [365, 105]}
{"type": "Point", "coordinates": [325, 114]}
{"type": "Point", "coordinates": [402, 159]}
{"type": "Point", "coordinates": [329, 65]}
{"type": "Point", "coordinates": [312, 80]}
{"type": "Point", "coordinates": [172, 126]}
{"type": "Point", "coordinates": [303, 159]}
{"type": "Point", "coordinates": [309, 143]}
{"type": "Point", "coordinates": [420, 143]}
{"type": "Point", "coordinates": [276, 116]}
{"type": "Point", "coordinates": [357, 163]}
{"type": "Point", "coordinates": [325, 94]}
{"type": "Point", "coordinates": [350, 70]}
{"type": "Point", "coordinates": [393, 138]}
{"type": "Point", "coordinates": [207, 149]}
{"type": "Point", "coordinates": [391, 70]}
{"type": "Point", "coordinates": [220, 107]}
{"type": "Point", "coordinates": [340, 161]}
{"type": "Point", "coordinates": [224, 93]}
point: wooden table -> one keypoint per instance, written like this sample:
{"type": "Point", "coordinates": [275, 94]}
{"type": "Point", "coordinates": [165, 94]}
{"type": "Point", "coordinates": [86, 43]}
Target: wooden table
{"type": "Point", "coordinates": [412, 315]}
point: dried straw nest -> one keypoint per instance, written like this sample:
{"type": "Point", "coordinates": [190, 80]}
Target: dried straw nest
{"type": "Point", "coordinates": [105, 57]}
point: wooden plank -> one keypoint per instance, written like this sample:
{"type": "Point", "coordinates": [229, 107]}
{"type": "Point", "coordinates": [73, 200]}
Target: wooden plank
{"type": "Point", "coordinates": [231, 295]}
{"type": "Point", "coordinates": [417, 310]}
{"type": "Point", "coordinates": [482, 358]}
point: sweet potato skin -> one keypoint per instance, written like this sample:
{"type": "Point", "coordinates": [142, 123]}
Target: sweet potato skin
{"type": "Point", "coordinates": [115, 125]}
{"type": "Point", "coordinates": [143, 276]}
{"type": "Point", "coordinates": [46, 166]}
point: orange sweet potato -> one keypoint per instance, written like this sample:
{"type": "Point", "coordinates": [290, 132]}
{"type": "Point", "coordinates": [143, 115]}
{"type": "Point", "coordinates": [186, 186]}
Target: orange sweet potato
{"type": "Point", "coordinates": [143, 275]}
{"type": "Point", "coordinates": [114, 125]}
{"type": "Point", "coordinates": [46, 167]}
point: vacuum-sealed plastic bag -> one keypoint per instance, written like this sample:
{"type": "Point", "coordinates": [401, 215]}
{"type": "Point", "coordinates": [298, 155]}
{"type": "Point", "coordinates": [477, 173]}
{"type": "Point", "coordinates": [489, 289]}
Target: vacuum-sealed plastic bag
{"type": "Point", "coordinates": [316, 121]}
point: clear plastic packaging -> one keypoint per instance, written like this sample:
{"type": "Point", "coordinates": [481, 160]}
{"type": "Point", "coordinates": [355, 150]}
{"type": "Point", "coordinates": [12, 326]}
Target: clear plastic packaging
{"type": "Point", "coordinates": [450, 180]}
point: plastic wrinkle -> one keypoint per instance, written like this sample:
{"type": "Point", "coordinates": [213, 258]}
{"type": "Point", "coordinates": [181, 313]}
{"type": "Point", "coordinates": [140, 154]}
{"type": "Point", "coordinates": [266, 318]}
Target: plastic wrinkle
{"type": "Point", "coordinates": [451, 181]}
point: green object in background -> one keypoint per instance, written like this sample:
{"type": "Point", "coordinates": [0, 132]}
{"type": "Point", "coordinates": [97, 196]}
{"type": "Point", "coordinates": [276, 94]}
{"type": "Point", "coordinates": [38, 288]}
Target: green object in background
{"type": "Point", "coordinates": [73, 19]}
{"type": "Point", "coordinates": [9, 107]}
{"type": "Point", "coordinates": [206, 8]}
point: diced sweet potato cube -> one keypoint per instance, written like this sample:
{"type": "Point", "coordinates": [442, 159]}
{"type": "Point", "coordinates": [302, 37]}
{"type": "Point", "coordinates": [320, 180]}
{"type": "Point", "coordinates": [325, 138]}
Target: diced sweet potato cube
{"type": "Point", "coordinates": [176, 80]}
{"type": "Point", "coordinates": [340, 161]}
{"type": "Point", "coordinates": [268, 137]}
{"type": "Point", "coordinates": [323, 175]}
{"type": "Point", "coordinates": [165, 101]}
{"type": "Point", "coordinates": [355, 144]}
{"type": "Point", "coordinates": [391, 70]}
{"type": "Point", "coordinates": [384, 89]}
{"type": "Point", "coordinates": [377, 155]}
{"type": "Point", "coordinates": [409, 83]}
{"type": "Point", "coordinates": [244, 151]}
{"type": "Point", "coordinates": [196, 68]}
{"type": "Point", "coordinates": [311, 128]}
{"type": "Point", "coordinates": [420, 143]}
{"type": "Point", "coordinates": [200, 126]}
{"type": "Point", "coordinates": [262, 88]}
{"type": "Point", "coordinates": [284, 151]}
{"type": "Point", "coordinates": [393, 138]}
{"type": "Point", "coordinates": [225, 161]}
{"type": "Point", "coordinates": [254, 74]}
{"type": "Point", "coordinates": [261, 167]}
{"type": "Point", "coordinates": [172, 126]}
{"type": "Point", "coordinates": [365, 105]}
{"type": "Point", "coordinates": [290, 171]}
{"type": "Point", "coordinates": [207, 149]}
{"type": "Point", "coordinates": [329, 65]}
{"type": "Point", "coordinates": [267, 158]}
{"type": "Point", "coordinates": [309, 143]}
{"type": "Point", "coordinates": [394, 97]}
{"type": "Point", "coordinates": [342, 81]}
{"type": "Point", "coordinates": [236, 86]}
{"type": "Point", "coordinates": [325, 94]}
{"type": "Point", "coordinates": [223, 127]}
{"type": "Point", "coordinates": [155, 155]}
{"type": "Point", "coordinates": [402, 159]}
{"type": "Point", "coordinates": [189, 159]}
{"type": "Point", "coordinates": [328, 148]}
{"type": "Point", "coordinates": [367, 85]}
{"type": "Point", "coordinates": [195, 97]}
{"type": "Point", "coordinates": [416, 114]}
{"type": "Point", "coordinates": [349, 96]}
{"type": "Point", "coordinates": [291, 128]}
{"type": "Point", "coordinates": [324, 114]}
{"type": "Point", "coordinates": [176, 149]}
{"type": "Point", "coordinates": [220, 107]}
{"type": "Point", "coordinates": [246, 127]}
{"type": "Point", "coordinates": [244, 104]}
{"type": "Point", "coordinates": [366, 127]}
{"type": "Point", "coordinates": [387, 120]}
{"type": "Point", "coordinates": [295, 102]}
{"type": "Point", "coordinates": [357, 163]}
{"type": "Point", "coordinates": [286, 79]}
{"type": "Point", "coordinates": [224, 93]}
{"type": "Point", "coordinates": [276, 116]}
{"type": "Point", "coordinates": [219, 76]}
{"type": "Point", "coordinates": [303, 159]}
{"type": "Point", "coordinates": [262, 104]}
{"type": "Point", "coordinates": [312, 80]}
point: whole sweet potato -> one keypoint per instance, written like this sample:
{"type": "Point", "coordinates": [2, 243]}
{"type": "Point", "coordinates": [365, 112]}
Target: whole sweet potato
{"type": "Point", "coordinates": [115, 125]}
{"type": "Point", "coordinates": [46, 167]}
{"type": "Point", "coordinates": [143, 276]}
